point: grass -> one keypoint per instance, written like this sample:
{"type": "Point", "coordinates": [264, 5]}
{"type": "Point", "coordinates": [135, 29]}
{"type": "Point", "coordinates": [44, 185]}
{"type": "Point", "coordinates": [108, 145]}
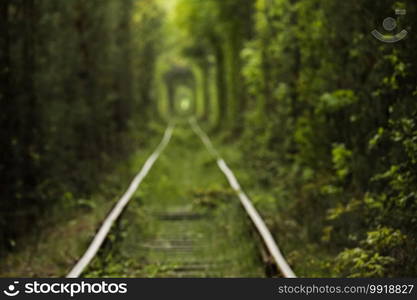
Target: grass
{"type": "Point", "coordinates": [65, 233]}
{"type": "Point", "coordinates": [184, 179]}
{"type": "Point", "coordinates": [218, 243]}
{"type": "Point", "coordinates": [307, 259]}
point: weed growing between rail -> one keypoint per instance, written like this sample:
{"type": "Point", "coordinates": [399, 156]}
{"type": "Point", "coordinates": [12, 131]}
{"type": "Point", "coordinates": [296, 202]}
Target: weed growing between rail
{"type": "Point", "coordinates": [183, 222]}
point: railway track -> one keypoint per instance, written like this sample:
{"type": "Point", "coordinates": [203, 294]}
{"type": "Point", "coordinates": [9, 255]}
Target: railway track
{"type": "Point", "coordinates": [183, 238]}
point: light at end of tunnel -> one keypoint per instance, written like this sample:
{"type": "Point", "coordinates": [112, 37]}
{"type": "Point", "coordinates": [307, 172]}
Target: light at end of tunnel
{"type": "Point", "coordinates": [185, 104]}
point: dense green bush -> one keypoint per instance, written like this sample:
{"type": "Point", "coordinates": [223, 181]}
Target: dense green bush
{"type": "Point", "coordinates": [346, 125]}
{"type": "Point", "coordinates": [73, 93]}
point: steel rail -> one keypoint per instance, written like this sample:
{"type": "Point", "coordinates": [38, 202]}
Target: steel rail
{"type": "Point", "coordinates": [247, 204]}
{"type": "Point", "coordinates": [118, 208]}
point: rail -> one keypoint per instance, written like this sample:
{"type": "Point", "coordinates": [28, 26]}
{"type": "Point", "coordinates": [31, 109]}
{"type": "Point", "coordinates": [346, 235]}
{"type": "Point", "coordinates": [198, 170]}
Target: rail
{"type": "Point", "coordinates": [247, 204]}
{"type": "Point", "coordinates": [120, 205]}
{"type": "Point", "coordinates": [118, 208]}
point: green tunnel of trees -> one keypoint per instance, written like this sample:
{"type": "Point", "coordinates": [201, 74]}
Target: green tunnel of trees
{"type": "Point", "coordinates": [324, 114]}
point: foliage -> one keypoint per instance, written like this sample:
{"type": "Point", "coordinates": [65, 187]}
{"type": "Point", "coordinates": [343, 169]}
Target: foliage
{"type": "Point", "coordinates": [75, 81]}
{"type": "Point", "coordinates": [323, 113]}
{"type": "Point", "coordinates": [346, 118]}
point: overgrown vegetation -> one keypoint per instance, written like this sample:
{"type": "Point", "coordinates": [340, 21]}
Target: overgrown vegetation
{"type": "Point", "coordinates": [74, 99]}
{"type": "Point", "coordinates": [323, 114]}
{"type": "Point", "coordinates": [329, 127]}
